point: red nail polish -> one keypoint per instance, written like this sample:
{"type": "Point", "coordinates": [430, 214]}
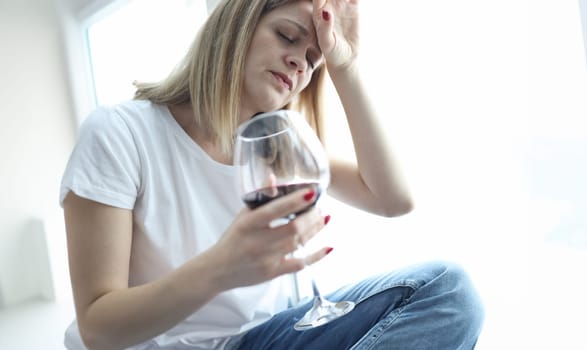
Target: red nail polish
{"type": "Point", "coordinates": [309, 196]}
{"type": "Point", "coordinates": [328, 250]}
{"type": "Point", "coordinates": [325, 15]}
{"type": "Point", "coordinates": [326, 219]}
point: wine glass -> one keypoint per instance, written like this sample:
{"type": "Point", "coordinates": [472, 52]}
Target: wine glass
{"type": "Point", "coordinates": [277, 153]}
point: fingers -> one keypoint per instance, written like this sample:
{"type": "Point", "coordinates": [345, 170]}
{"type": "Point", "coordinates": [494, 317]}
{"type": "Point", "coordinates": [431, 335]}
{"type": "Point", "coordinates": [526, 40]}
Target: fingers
{"type": "Point", "coordinates": [272, 185]}
{"type": "Point", "coordinates": [271, 246]}
{"type": "Point", "coordinates": [281, 242]}
{"type": "Point", "coordinates": [324, 24]}
{"type": "Point", "coordinates": [289, 265]}
{"type": "Point", "coordinates": [318, 4]}
{"type": "Point", "coordinates": [317, 256]}
{"type": "Point", "coordinates": [292, 265]}
{"type": "Point", "coordinates": [299, 231]}
{"type": "Point", "coordinates": [260, 223]}
{"type": "Point", "coordinates": [283, 207]}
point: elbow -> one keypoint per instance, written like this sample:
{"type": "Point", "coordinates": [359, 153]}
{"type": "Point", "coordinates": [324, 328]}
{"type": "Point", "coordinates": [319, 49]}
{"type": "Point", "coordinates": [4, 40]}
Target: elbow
{"type": "Point", "coordinates": [397, 207]}
{"type": "Point", "coordinates": [94, 340]}
{"type": "Point", "coordinates": [90, 339]}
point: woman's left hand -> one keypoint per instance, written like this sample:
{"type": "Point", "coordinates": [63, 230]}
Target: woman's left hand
{"type": "Point", "coordinates": [337, 30]}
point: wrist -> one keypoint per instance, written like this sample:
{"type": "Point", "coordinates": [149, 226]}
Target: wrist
{"type": "Point", "coordinates": [216, 270]}
{"type": "Point", "coordinates": [218, 266]}
{"type": "Point", "coordinates": [347, 77]}
{"type": "Point", "coordinates": [348, 71]}
{"type": "Point", "coordinates": [196, 281]}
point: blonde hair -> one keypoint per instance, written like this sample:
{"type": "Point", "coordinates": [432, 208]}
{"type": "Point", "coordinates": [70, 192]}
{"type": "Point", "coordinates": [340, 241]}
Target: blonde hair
{"type": "Point", "coordinates": [210, 77]}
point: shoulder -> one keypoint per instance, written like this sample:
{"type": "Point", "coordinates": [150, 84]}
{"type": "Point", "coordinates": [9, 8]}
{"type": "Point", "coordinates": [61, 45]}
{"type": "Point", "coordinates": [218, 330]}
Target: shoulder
{"type": "Point", "coordinates": [123, 112]}
{"type": "Point", "coordinates": [126, 118]}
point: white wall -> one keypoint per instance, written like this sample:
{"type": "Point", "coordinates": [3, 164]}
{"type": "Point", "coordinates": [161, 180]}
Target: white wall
{"type": "Point", "coordinates": [36, 136]}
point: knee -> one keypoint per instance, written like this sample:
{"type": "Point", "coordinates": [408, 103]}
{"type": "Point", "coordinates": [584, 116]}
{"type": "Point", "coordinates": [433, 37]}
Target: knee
{"type": "Point", "coordinates": [458, 297]}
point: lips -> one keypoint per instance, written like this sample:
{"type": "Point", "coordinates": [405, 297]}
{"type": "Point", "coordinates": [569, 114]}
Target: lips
{"type": "Point", "coordinates": [283, 79]}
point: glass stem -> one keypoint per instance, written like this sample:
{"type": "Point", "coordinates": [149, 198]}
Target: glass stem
{"type": "Point", "coordinates": [310, 271]}
{"type": "Point", "coordinates": [301, 252]}
{"type": "Point", "coordinates": [315, 290]}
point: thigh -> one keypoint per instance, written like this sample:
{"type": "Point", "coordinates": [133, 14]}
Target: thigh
{"type": "Point", "coordinates": [376, 298]}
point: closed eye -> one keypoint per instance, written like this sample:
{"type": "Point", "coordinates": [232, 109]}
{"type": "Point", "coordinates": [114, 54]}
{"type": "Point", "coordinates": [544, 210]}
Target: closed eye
{"type": "Point", "coordinates": [286, 38]}
{"type": "Point", "coordinates": [311, 61]}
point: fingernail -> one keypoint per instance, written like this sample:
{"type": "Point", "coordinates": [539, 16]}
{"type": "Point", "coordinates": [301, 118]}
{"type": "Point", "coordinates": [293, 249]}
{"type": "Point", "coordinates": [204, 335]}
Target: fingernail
{"type": "Point", "coordinates": [326, 219]}
{"type": "Point", "coordinates": [308, 196]}
{"type": "Point", "coordinates": [325, 15]}
{"type": "Point", "coordinates": [328, 250]}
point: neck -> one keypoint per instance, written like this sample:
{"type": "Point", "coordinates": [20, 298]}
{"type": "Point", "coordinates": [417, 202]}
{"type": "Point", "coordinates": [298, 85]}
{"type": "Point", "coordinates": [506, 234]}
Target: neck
{"type": "Point", "coordinates": [184, 116]}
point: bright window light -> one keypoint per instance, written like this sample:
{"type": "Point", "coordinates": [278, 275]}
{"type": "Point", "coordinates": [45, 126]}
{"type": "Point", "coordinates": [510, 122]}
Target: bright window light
{"type": "Point", "coordinates": [142, 40]}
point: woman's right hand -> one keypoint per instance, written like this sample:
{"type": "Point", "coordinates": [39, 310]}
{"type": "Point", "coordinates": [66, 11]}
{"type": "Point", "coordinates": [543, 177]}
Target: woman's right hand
{"type": "Point", "coordinates": [251, 251]}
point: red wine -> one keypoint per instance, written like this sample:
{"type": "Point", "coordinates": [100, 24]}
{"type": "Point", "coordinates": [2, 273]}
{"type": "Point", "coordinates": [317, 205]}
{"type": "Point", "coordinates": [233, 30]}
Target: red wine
{"type": "Point", "coordinates": [262, 196]}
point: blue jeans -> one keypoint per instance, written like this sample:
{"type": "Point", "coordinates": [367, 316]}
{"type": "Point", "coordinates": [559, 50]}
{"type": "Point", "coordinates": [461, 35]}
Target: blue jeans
{"type": "Point", "coordinates": [428, 306]}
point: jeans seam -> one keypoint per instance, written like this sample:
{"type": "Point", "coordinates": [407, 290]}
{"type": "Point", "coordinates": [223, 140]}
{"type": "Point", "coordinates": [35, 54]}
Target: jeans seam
{"type": "Point", "coordinates": [370, 338]}
{"type": "Point", "coordinates": [406, 283]}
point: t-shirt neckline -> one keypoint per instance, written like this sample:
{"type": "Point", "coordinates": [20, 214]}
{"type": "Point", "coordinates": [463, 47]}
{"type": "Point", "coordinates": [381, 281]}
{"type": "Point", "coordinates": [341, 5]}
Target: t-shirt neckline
{"type": "Point", "coordinates": [189, 142]}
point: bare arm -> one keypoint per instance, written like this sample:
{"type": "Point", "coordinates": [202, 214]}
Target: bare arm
{"type": "Point", "coordinates": [374, 183]}
{"type": "Point", "coordinates": [113, 316]}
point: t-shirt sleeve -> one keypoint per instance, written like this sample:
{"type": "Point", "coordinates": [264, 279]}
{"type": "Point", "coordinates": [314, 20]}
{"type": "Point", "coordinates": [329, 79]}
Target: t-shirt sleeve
{"type": "Point", "coordinates": [104, 164]}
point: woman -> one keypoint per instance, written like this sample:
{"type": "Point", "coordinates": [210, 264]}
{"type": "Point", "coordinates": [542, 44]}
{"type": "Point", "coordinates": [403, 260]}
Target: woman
{"type": "Point", "coordinates": [162, 253]}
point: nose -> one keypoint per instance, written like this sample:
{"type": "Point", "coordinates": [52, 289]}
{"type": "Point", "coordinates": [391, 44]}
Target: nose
{"type": "Point", "coordinates": [298, 62]}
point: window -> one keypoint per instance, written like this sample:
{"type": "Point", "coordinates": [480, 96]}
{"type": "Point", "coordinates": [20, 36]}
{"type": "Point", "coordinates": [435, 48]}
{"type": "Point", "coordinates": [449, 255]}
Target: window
{"type": "Point", "coordinates": [139, 40]}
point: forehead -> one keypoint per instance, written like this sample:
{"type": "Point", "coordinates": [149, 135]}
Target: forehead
{"type": "Point", "coordinates": [297, 11]}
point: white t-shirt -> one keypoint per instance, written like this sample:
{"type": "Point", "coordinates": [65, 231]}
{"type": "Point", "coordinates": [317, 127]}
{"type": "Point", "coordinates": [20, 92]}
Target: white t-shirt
{"type": "Point", "coordinates": [135, 156]}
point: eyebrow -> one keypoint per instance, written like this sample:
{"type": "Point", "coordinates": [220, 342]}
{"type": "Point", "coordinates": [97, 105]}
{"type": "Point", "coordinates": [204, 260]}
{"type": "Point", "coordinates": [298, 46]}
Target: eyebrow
{"type": "Point", "coordinates": [301, 27]}
{"type": "Point", "coordinates": [305, 32]}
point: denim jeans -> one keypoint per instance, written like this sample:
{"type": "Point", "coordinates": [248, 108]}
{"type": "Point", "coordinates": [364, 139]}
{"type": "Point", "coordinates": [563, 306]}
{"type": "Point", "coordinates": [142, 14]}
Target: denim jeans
{"type": "Point", "coordinates": [428, 306]}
